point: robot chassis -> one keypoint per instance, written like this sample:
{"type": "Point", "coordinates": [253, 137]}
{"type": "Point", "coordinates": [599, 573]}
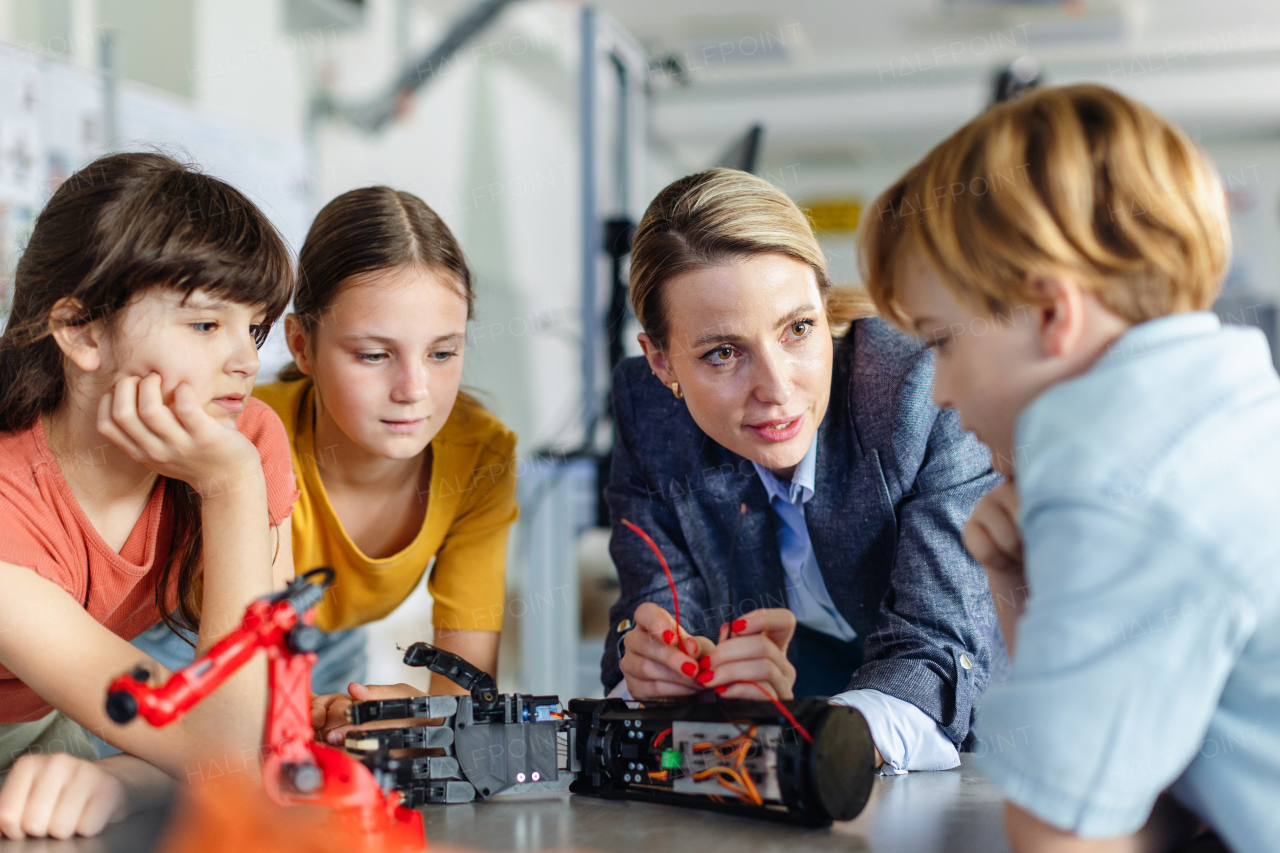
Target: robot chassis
{"type": "Point", "coordinates": [734, 756]}
{"type": "Point", "coordinates": [802, 761]}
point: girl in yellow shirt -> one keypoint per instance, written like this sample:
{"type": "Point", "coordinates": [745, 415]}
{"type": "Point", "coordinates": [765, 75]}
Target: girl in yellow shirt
{"type": "Point", "coordinates": [396, 467]}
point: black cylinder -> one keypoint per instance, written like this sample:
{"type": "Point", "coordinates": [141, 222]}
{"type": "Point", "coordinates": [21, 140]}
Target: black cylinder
{"type": "Point", "coordinates": [623, 752]}
{"type": "Point", "coordinates": [121, 706]}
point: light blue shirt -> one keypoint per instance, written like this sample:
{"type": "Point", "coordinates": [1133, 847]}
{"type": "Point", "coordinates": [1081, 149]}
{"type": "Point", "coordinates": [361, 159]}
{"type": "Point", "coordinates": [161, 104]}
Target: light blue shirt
{"type": "Point", "coordinates": [807, 595]}
{"type": "Point", "coordinates": [908, 738]}
{"type": "Point", "coordinates": [1148, 656]}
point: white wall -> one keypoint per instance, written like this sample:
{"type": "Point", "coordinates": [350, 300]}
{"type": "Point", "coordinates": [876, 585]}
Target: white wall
{"type": "Point", "coordinates": [490, 144]}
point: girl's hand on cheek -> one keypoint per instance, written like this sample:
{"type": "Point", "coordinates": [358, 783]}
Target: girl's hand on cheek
{"type": "Point", "coordinates": [182, 442]}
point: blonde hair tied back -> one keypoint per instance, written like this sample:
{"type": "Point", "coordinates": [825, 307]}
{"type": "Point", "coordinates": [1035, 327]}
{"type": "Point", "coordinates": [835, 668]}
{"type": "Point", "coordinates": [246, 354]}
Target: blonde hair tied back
{"type": "Point", "coordinates": [716, 217]}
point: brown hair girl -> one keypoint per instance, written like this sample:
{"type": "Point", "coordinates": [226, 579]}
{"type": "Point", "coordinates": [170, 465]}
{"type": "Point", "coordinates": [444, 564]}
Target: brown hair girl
{"type": "Point", "coordinates": [121, 225]}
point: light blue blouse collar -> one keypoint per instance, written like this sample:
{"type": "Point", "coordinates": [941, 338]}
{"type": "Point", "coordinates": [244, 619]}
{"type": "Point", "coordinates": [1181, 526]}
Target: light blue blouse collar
{"type": "Point", "coordinates": [800, 489]}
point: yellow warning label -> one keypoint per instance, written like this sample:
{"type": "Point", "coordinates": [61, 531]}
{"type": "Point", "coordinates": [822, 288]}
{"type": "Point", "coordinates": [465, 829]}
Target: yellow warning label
{"type": "Point", "coordinates": [834, 215]}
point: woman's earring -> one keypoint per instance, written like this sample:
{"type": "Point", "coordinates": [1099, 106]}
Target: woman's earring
{"type": "Point", "coordinates": [675, 389]}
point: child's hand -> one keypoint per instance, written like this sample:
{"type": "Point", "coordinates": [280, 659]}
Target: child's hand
{"type": "Point", "coordinates": [993, 538]}
{"type": "Point", "coordinates": [329, 712]}
{"type": "Point", "coordinates": [182, 442]}
{"type": "Point", "coordinates": [757, 652]}
{"type": "Point", "coordinates": [658, 659]}
{"type": "Point", "coordinates": [58, 796]}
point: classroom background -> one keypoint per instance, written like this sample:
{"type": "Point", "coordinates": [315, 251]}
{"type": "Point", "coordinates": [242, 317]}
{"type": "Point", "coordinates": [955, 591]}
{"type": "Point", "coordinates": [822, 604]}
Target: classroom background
{"type": "Point", "coordinates": [539, 130]}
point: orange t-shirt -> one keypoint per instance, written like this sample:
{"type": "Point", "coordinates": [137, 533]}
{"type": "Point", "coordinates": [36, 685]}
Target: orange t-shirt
{"type": "Point", "coordinates": [43, 527]}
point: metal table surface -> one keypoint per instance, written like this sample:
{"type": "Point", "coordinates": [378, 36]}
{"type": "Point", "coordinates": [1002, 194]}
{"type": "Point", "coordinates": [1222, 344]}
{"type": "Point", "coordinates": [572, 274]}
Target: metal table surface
{"type": "Point", "coordinates": [955, 811]}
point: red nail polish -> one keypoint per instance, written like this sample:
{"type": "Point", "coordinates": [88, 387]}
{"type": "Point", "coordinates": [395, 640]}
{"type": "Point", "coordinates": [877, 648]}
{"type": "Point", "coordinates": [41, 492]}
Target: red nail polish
{"type": "Point", "coordinates": [668, 635]}
{"type": "Point", "coordinates": [722, 688]}
{"type": "Point", "coordinates": [705, 663]}
{"type": "Point", "coordinates": [688, 668]}
{"type": "Point", "coordinates": [739, 625]}
{"type": "Point", "coordinates": [703, 678]}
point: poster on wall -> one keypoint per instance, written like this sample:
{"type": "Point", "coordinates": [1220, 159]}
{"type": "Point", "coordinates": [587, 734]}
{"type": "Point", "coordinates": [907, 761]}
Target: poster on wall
{"type": "Point", "coordinates": [52, 123]}
{"type": "Point", "coordinates": [22, 172]}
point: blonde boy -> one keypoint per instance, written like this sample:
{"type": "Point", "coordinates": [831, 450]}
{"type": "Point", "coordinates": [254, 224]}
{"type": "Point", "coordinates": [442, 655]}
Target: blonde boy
{"type": "Point", "coordinates": [1060, 253]}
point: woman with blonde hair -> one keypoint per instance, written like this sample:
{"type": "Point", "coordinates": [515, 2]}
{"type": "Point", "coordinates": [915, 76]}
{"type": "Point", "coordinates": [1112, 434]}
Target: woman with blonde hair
{"type": "Point", "coordinates": [806, 493]}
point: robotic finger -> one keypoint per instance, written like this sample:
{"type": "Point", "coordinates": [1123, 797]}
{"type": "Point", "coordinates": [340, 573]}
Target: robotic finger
{"type": "Point", "coordinates": [419, 707]}
{"type": "Point", "coordinates": [411, 737]}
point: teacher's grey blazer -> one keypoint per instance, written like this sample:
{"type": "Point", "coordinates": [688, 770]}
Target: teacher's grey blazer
{"type": "Point", "coordinates": [896, 481]}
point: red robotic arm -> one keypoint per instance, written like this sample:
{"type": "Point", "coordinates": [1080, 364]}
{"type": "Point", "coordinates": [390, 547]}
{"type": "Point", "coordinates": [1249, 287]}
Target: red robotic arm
{"type": "Point", "coordinates": [295, 768]}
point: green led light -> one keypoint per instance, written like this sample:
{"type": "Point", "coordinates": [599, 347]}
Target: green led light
{"type": "Point", "coordinates": [672, 759]}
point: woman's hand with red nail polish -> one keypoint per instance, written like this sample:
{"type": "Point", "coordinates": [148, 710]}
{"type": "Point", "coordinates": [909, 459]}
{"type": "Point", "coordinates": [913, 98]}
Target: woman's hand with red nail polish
{"type": "Point", "coordinates": [658, 658]}
{"type": "Point", "coordinates": [706, 677]}
{"type": "Point", "coordinates": [777, 624]}
{"type": "Point", "coordinates": [757, 651]}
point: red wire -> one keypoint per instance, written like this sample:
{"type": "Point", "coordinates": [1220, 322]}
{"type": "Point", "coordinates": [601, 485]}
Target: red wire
{"type": "Point", "coordinates": [665, 568]}
{"type": "Point", "coordinates": [675, 600]}
{"type": "Point", "coordinates": [662, 734]}
{"type": "Point", "coordinates": [783, 708]}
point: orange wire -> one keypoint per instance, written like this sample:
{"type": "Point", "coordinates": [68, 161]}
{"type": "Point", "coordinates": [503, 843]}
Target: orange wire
{"type": "Point", "coordinates": [747, 789]}
{"type": "Point", "coordinates": [739, 791]}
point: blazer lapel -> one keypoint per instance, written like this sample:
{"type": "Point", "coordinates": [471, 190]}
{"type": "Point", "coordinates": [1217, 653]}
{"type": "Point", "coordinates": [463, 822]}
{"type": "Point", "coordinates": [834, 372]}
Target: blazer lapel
{"type": "Point", "coordinates": [850, 517]}
{"type": "Point", "coordinates": [756, 572]}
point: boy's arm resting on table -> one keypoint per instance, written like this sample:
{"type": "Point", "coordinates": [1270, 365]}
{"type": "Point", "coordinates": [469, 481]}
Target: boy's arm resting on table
{"type": "Point", "coordinates": [1119, 668]}
{"type": "Point", "coordinates": [1168, 826]}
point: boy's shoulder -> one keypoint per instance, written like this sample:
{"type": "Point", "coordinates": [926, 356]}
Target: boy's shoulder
{"type": "Point", "coordinates": [1181, 415]}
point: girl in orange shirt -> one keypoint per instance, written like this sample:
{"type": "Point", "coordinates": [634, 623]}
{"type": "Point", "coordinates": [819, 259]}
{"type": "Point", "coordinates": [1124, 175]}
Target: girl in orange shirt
{"type": "Point", "coordinates": [137, 478]}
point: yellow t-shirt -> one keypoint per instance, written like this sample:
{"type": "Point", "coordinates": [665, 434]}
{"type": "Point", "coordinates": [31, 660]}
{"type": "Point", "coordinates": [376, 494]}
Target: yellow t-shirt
{"type": "Point", "coordinates": [470, 509]}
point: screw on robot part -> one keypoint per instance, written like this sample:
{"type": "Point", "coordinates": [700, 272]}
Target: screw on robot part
{"type": "Point", "coordinates": [305, 778]}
